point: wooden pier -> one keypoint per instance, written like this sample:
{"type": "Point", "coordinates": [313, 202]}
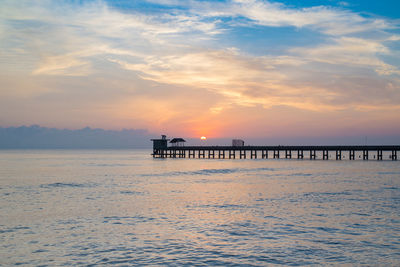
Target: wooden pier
{"type": "Point", "coordinates": [366, 152]}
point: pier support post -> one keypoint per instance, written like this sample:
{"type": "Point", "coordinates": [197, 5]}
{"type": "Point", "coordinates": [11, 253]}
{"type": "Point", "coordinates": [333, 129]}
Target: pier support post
{"type": "Point", "coordinates": [325, 154]}
{"type": "Point", "coordinates": [394, 154]}
{"type": "Point", "coordinates": [242, 154]}
{"type": "Point", "coordinates": [276, 154]}
{"type": "Point", "coordinates": [288, 154]}
{"type": "Point", "coordinates": [379, 154]}
{"type": "Point", "coordinates": [221, 154]}
{"type": "Point", "coordinates": [365, 154]}
{"type": "Point", "coordinates": [300, 154]}
{"type": "Point", "coordinates": [338, 154]}
{"type": "Point", "coordinates": [232, 154]}
{"type": "Point", "coordinates": [253, 154]}
{"type": "Point", "coordinates": [313, 154]}
{"type": "Point", "coordinates": [264, 154]}
{"type": "Point", "coordinates": [211, 153]}
{"type": "Point", "coordinates": [352, 154]}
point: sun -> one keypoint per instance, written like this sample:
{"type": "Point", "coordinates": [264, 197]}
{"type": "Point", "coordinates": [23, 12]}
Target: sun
{"type": "Point", "coordinates": [203, 138]}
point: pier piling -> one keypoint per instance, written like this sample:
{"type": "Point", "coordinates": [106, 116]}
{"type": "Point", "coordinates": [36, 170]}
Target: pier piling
{"type": "Point", "coordinates": [338, 154]}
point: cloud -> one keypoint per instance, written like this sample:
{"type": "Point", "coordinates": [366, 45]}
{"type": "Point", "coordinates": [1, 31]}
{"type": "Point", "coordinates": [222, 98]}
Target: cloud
{"type": "Point", "coordinates": [118, 67]}
{"type": "Point", "coordinates": [350, 51]}
{"type": "Point", "coordinates": [329, 20]}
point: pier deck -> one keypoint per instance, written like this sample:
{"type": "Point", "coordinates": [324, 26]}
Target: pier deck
{"type": "Point", "coordinates": [300, 152]}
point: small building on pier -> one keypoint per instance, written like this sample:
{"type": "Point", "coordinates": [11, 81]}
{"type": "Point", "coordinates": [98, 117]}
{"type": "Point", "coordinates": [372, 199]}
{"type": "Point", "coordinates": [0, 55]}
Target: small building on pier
{"type": "Point", "coordinates": [237, 142]}
{"type": "Point", "coordinates": [177, 142]}
{"type": "Point", "coordinates": [160, 143]}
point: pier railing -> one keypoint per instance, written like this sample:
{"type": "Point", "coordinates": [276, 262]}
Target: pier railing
{"type": "Point", "coordinates": [300, 152]}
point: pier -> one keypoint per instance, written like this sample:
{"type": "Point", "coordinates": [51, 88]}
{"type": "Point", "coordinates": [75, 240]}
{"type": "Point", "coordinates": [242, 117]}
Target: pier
{"type": "Point", "coordinates": [350, 152]}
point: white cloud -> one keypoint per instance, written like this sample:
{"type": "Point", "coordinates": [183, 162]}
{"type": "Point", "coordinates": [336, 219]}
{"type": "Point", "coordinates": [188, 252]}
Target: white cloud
{"type": "Point", "coordinates": [350, 52]}
{"type": "Point", "coordinates": [328, 20]}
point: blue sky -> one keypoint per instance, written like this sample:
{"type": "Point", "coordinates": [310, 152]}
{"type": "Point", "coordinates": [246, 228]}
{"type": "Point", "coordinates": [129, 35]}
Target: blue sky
{"type": "Point", "coordinates": [203, 67]}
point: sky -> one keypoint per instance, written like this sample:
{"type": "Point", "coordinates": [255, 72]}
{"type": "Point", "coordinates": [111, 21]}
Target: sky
{"type": "Point", "coordinates": [227, 68]}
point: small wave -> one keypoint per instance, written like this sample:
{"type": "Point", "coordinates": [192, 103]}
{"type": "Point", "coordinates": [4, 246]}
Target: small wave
{"type": "Point", "coordinates": [40, 251]}
{"type": "Point", "coordinates": [65, 185]}
{"type": "Point", "coordinates": [127, 219]}
{"type": "Point", "coordinates": [14, 229]}
{"type": "Point", "coordinates": [129, 192]}
{"type": "Point", "coordinates": [391, 188]}
{"type": "Point", "coordinates": [327, 194]}
{"type": "Point", "coordinates": [300, 174]}
{"type": "Point", "coordinates": [223, 206]}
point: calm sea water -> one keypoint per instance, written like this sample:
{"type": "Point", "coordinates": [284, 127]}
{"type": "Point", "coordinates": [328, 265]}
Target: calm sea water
{"type": "Point", "coordinates": [71, 207]}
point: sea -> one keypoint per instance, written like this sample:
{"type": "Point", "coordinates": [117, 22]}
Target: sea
{"type": "Point", "coordinates": [125, 208]}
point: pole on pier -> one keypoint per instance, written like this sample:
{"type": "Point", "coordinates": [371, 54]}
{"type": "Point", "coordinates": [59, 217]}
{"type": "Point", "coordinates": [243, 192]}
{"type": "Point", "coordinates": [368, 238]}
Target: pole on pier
{"type": "Point", "coordinates": [365, 154]}
{"type": "Point", "coordinates": [211, 153]}
{"type": "Point", "coordinates": [202, 153]}
{"type": "Point", "coordinates": [313, 154]}
{"type": "Point", "coordinates": [300, 154]}
{"type": "Point", "coordinates": [264, 154]}
{"type": "Point", "coordinates": [338, 154]}
{"type": "Point", "coordinates": [325, 154]}
{"type": "Point", "coordinates": [379, 154]}
{"type": "Point", "coordinates": [352, 154]}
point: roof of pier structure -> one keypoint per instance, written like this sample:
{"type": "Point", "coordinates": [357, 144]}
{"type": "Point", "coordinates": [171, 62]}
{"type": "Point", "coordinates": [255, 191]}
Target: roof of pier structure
{"type": "Point", "coordinates": [177, 140]}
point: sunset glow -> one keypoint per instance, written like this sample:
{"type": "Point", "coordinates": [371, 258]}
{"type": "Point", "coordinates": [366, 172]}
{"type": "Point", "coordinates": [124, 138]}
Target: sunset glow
{"type": "Point", "coordinates": [203, 138]}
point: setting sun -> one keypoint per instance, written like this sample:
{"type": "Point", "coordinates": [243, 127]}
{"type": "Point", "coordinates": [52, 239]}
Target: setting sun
{"type": "Point", "coordinates": [203, 138]}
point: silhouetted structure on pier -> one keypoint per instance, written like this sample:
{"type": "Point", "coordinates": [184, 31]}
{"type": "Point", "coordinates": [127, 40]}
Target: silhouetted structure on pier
{"type": "Point", "coordinates": [161, 150]}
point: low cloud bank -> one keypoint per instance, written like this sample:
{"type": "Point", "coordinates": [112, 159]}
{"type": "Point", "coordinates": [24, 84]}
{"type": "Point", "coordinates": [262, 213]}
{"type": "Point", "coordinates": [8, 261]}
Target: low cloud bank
{"type": "Point", "coordinates": [36, 137]}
